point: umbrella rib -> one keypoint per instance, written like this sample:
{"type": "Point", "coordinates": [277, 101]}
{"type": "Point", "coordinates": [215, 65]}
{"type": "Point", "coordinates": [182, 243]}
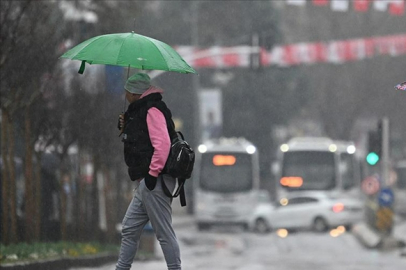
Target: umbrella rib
{"type": "Point", "coordinates": [121, 46]}
{"type": "Point", "coordinates": [159, 47]}
{"type": "Point", "coordinates": [170, 54]}
{"type": "Point", "coordinates": [102, 51]}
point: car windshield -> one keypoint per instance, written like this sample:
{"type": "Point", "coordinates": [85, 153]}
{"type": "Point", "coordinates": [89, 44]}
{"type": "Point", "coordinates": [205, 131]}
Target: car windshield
{"type": "Point", "coordinates": [226, 172]}
{"type": "Point", "coordinates": [316, 169]}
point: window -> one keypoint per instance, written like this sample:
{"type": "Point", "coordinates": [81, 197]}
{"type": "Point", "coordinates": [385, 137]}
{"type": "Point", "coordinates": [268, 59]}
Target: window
{"type": "Point", "coordinates": [315, 168]}
{"type": "Point", "coordinates": [226, 176]}
{"type": "Point", "coordinates": [347, 171]}
{"type": "Point", "coordinates": [302, 200]}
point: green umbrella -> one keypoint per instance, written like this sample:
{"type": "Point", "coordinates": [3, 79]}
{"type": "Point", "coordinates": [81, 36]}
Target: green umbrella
{"type": "Point", "coordinates": [128, 50]}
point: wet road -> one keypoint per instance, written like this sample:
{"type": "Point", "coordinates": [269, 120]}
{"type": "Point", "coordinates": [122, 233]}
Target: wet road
{"type": "Point", "coordinates": [237, 250]}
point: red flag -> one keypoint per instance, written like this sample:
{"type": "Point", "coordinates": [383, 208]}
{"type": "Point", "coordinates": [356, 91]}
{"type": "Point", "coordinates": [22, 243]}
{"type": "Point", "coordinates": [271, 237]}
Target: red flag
{"type": "Point", "coordinates": [361, 5]}
{"type": "Point", "coordinates": [320, 2]}
{"type": "Point", "coordinates": [397, 7]}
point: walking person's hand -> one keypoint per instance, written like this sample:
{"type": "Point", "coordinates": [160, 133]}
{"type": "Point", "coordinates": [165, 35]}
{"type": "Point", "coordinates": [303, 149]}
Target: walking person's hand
{"type": "Point", "coordinates": [121, 122]}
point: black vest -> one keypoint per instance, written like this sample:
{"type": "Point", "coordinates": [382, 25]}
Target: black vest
{"type": "Point", "coordinates": [138, 149]}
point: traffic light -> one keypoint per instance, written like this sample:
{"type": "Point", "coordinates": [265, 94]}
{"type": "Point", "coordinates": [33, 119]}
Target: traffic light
{"type": "Point", "coordinates": [374, 153]}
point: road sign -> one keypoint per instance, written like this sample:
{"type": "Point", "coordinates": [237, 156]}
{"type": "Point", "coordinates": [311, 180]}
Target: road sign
{"type": "Point", "coordinates": [386, 197]}
{"type": "Point", "coordinates": [370, 185]}
{"type": "Point", "coordinates": [384, 219]}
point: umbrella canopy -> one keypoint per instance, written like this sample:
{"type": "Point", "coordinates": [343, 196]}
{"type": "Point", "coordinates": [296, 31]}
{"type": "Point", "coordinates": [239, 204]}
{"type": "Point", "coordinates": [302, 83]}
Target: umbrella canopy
{"type": "Point", "coordinates": [128, 50]}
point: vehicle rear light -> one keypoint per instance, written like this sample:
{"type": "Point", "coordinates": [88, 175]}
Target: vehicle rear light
{"type": "Point", "coordinates": [338, 207]}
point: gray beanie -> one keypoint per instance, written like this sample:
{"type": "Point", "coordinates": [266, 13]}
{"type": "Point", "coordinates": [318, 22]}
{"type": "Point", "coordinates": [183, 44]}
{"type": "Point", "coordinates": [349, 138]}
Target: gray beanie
{"type": "Point", "coordinates": [138, 83]}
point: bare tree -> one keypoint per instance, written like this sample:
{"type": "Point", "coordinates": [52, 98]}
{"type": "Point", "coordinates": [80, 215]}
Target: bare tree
{"type": "Point", "coordinates": [29, 38]}
{"type": "Point", "coordinates": [11, 17]}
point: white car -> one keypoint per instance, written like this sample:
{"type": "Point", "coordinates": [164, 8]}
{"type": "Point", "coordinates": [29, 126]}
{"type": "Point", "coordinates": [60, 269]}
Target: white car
{"type": "Point", "coordinates": [305, 210]}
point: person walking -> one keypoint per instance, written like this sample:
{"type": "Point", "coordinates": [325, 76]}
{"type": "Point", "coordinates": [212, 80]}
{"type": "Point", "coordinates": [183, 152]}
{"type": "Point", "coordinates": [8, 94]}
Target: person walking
{"type": "Point", "coordinates": [146, 148]}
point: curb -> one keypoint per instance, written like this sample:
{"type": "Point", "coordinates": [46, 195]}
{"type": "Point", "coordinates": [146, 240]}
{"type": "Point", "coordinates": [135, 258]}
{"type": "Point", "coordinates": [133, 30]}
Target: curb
{"type": "Point", "coordinates": [373, 240]}
{"type": "Point", "coordinates": [64, 263]}
{"type": "Point", "coordinates": [368, 237]}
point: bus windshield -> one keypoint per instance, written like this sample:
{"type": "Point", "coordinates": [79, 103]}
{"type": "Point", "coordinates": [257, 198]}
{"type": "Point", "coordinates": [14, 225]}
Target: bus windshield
{"type": "Point", "coordinates": [315, 169]}
{"type": "Point", "coordinates": [226, 172]}
{"type": "Point", "coordinates": [347, 170]}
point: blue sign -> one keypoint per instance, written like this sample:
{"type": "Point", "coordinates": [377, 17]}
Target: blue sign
{"type": "Point", "coordinates": [386, 197]}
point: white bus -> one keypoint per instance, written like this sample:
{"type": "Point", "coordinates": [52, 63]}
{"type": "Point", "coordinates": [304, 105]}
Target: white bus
{"type": "Point", "coordinates": [226, 175]}
{"type": "Point", "coordinates": [318, 164]}
{"type": "Point", "coordinates": [350, 164]}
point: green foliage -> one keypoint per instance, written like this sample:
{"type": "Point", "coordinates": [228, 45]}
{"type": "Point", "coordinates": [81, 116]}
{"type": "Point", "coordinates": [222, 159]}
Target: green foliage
{"type": "Point", "coordinates": [42, 251]}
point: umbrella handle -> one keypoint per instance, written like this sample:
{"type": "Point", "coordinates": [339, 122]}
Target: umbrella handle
{"type": "Point", "coordinates": [82, 67]}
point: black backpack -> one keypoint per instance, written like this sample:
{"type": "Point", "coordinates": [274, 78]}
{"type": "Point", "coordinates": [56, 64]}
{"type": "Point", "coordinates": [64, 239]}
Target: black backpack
{"type": "Point", "coordinates": [179, 165]}
{"type": "Point", "coordinates": [181, 157]}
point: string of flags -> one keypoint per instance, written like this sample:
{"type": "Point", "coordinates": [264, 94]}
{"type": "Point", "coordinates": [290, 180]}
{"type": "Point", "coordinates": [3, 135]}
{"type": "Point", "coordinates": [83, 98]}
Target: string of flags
{"type": "Point", "coordinates": [394, 7]}
{"type": "Point", "coordinates": [335, 52]}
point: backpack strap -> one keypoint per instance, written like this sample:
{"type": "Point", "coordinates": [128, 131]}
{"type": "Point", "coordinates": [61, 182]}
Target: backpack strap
{"type": "Point", "coordinates": [179, 191]}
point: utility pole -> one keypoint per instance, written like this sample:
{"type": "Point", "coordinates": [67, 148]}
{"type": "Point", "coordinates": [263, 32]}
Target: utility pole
{"type": "Point", "coordinates": [196, 79]}
{"type": "Point", "coordinates": [195, 88]}
{"type": "Point", "coordinates": [385, 150]}
{"type": "Point", "coordinates": [386, 196]}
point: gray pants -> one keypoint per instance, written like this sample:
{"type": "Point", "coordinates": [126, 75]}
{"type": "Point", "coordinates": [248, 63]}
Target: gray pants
{"type": "Point", "coordinates": [152, 206]}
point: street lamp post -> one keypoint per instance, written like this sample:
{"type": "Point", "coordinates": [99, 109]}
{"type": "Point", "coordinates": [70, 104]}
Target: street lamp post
{"type": "Point", "coordinates": [195, 79]}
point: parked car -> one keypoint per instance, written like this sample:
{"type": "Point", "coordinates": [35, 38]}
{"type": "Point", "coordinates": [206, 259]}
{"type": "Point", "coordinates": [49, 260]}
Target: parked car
{"type": "Point", "coordinates": [306, 210]}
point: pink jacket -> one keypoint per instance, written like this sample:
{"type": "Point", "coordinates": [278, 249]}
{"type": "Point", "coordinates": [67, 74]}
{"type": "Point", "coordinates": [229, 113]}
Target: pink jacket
{"type": "Point", "coordinates": [158, 133]}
